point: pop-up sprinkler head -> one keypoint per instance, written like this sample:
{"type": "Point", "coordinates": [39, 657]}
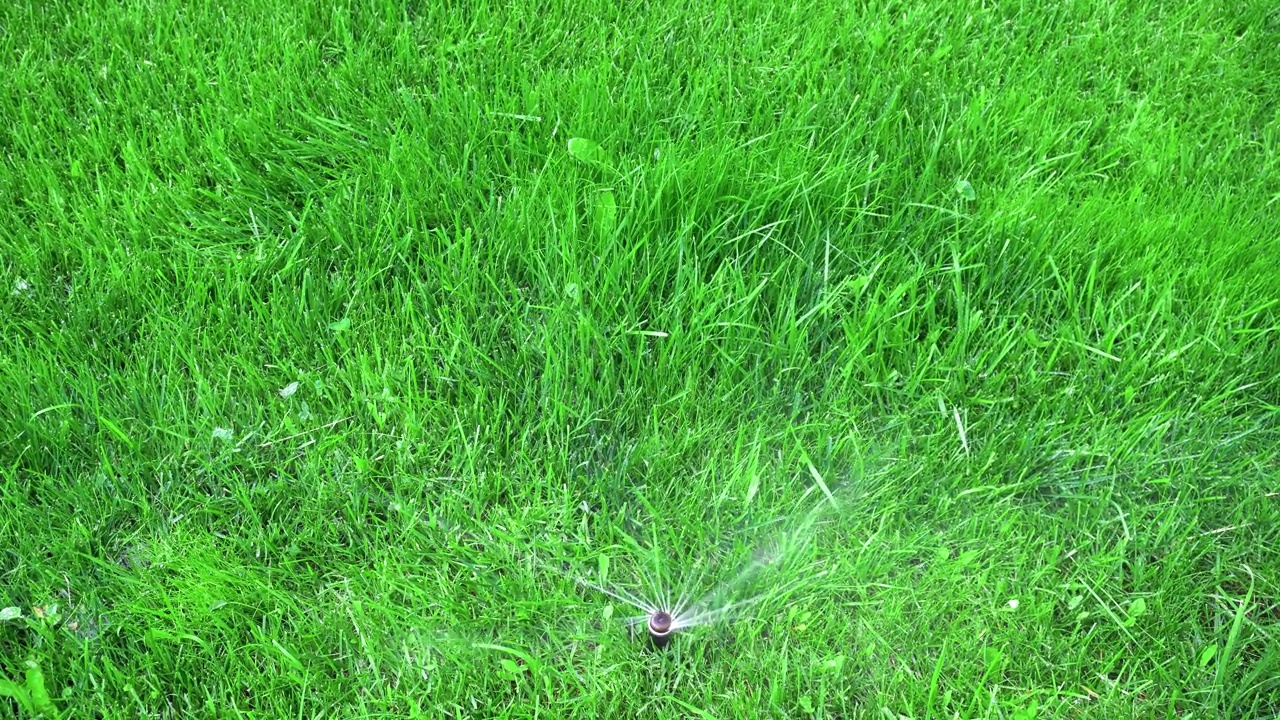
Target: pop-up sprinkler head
{"type": "Point", "coordinates": [660, 628]}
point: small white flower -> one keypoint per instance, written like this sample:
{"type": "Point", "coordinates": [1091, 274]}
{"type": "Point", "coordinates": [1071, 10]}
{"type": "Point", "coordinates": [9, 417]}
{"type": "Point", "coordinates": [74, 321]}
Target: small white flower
{"type": "Point", "coordinates": [289, 390]}
{"type": "Point", "coordinates": [1013, 604]}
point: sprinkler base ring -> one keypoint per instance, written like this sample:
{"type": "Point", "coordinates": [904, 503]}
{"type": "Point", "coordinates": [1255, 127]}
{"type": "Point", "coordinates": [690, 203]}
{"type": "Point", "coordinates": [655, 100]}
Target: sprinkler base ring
{"type": "Point", "coordinates": [659, 627]}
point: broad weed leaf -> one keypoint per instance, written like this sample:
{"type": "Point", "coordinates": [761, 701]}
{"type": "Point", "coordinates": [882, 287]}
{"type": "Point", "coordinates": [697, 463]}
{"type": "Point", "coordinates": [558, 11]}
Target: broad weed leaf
{"type": "Point", "coordinates": [606, 213]}
{"type": "Point", "coordinates": [588, 151]}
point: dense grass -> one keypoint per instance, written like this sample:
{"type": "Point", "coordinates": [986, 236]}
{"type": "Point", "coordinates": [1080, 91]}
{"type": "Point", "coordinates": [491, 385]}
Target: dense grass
{"type": "Point", "coordinates": [1005, 278]}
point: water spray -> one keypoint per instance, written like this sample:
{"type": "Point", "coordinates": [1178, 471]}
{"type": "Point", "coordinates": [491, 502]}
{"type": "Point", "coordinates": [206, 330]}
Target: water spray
{"type": "Point", "coordinates": [664, 615]}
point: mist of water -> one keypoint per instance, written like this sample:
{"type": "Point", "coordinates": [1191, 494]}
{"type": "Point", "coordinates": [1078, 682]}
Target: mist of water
{"type": "Point", "coordinates": [775, 568]}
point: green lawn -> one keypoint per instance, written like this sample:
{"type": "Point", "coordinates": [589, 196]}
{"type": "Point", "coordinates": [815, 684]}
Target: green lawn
{"type": "Point", "coordinates": [341, 345]}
